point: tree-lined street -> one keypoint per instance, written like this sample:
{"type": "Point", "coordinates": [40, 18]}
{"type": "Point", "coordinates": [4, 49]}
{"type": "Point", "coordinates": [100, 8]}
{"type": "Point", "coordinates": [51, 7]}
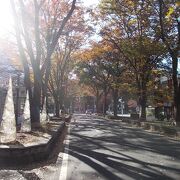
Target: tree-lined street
{"type": "Point", "coordinates": [98, 70]}
{"type": "Point", "coordinates": [102, 149]}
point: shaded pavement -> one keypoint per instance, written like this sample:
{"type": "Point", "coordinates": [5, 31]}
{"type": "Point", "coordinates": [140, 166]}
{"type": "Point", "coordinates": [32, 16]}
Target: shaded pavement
{"type": "Point", "coordinates": [102, 149]}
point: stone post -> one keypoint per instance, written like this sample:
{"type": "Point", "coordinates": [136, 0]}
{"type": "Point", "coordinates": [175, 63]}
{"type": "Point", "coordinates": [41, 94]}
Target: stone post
{"type": "Point", "coordinates": [43, 115]}
{"type": "Point", "coordinates": [26, 121]}
{"type": "Point", "coordinates": [8, 124]}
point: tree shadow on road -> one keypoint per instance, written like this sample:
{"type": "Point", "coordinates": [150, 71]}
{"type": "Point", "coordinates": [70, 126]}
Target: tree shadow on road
{"type": "Point", "coordinates": [112, 161]}
{"type": "Point", "coordinates": [132, 138]}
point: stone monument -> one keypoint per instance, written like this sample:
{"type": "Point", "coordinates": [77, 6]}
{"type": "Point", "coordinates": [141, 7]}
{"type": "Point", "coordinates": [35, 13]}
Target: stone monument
{"type": "Point", "coordinates": [8, 124]}
{"type": "Point", "coordinates": [44, 116]}
{"type": "Point", "coordinates": [26, 121]}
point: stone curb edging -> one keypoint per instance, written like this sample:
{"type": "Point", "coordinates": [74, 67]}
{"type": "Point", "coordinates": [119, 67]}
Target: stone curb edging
{"type": "Point", "coordinates": [30, 154]}
{"type": "Point", "coordinates": [162, 129]}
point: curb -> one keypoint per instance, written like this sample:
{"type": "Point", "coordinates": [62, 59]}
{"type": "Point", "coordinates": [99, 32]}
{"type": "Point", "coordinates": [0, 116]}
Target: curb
{"type": "Point", "coordinates": [169, 131]}
{"type": "Point", "coordinates": [31, 154]}
{"type": "Point", "coordinates": [166, 130]}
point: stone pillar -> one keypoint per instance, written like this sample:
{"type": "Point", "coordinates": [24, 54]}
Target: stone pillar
{"type": "Point", "coordinates": [43, 115]}
{"type": "Point", "coordinates": [8, 124]}
{"type": "Point", "coordinates": [26, 121]}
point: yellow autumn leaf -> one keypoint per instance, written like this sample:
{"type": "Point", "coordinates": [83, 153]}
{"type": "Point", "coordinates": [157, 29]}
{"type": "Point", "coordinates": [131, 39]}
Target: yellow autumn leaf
{"type": "Point", "coordinates": [170, 11]}
{"type": "Point", "coordinates": [130, 3]}
{"type": "Point", "coordinates": [133, 21]}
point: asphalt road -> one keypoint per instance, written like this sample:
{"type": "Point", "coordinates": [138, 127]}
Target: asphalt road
{"type": "Point", "coordinates": [101, 149]}
{"type": "Point", "coordinates": [98, 149]}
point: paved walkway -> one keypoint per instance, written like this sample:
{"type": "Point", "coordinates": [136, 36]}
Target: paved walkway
{"type": "Point", "coordinates": [101, 149]}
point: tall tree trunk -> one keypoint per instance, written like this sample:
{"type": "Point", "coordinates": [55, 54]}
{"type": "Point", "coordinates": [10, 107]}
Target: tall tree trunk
{"type": "Point", "coordinates": [142, 87]}
{"type": "Point", "coordinates": [178, 107]}
{"type": "Point", "coordinates": [61, 98]}
{"type": "Point", "coordinates": [143, 103]}
{"type": "Point", "coordinates": [143, 110]}
{"type": "Point", "coordinates": [115, 99]}
{"type": "Point", "coordinates": [105, 101]}
{"type": "Point", "coordinates": [97, 101]}
{"type": "Point", "coordinates": [174, 53]}
{"type": "Point", "coordinates": [176, 86]}
{"type": "Point", "coordinates": [36, 100]}
{"type": "Point", "coordinates": [97, 104]}
{"type": "Point", "coordinates": [52, 45]}
{"type": "Point", "coordinates": [57, 108]}
{"type": "Point", "coordinates": [178, 115]}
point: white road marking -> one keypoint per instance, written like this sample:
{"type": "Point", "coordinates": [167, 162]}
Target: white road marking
{"type": "Point", "coordinates": [64, 167]}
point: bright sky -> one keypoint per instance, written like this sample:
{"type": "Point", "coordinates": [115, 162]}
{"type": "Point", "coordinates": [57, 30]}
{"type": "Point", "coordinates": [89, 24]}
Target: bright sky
{"type": "Point", "coordinates": [6, 20]}
{"type": "Point", "coordinates": [90, 2]}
